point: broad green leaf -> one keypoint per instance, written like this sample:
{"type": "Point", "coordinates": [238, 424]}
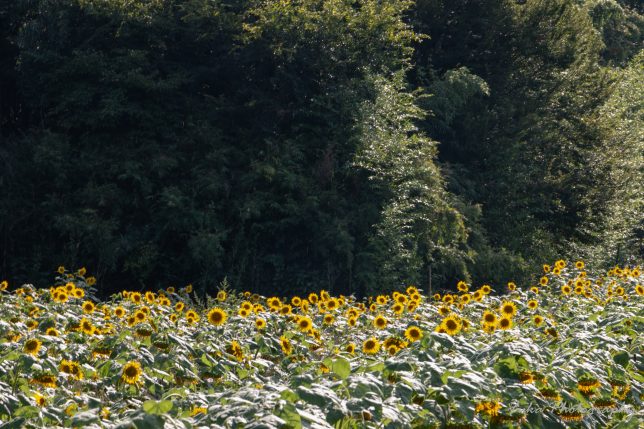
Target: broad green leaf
{"type": "Point", "coordinates": [157, 407]}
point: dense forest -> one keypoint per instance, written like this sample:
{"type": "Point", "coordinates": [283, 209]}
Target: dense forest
{"type": "Point", "coordinates": [291, 145]}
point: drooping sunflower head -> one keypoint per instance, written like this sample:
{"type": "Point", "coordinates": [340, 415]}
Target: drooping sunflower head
{"type": "Point", "coordinates": [131, 372]}
{"type": "Point", "coordinates": [217, 316]}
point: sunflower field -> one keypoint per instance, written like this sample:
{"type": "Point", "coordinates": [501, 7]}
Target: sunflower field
{"type": "Point", "coordinates": [565, 352]}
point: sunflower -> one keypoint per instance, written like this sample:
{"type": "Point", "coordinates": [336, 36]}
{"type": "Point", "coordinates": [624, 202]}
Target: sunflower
{"type": "Point", "coordinates": [329, 319]}
{"type": "Point", "coordinates": [4, 285]}
{"type": "Point", "coordinates": [381, 300]}
{"type": "Point", "coordinates": [217, 316]}
{"type": "Point", "coordinates": [350, 348]}
{"type": "Point", "coordinates": [86, 326]}
{"type": "Point", "coordinates": [486, 289]}
{"type": "Point", "coordinates": [489, 329]}
{"type": "Point", "coordinates": [537, 319]}
{"type": "Point", "coordinates": [546, 268]}
{"type": "Point", "coordinates": [45, 379]}
{"type": "Point", "coordinates": [170, 289]}
{"type": "Point", "coordinates": [512, 286]}
{"type": "Point", "coordinates": [31, 324]}
{"type": "Point", "coordinates": [352, 321]}
{"type": "Point", "coordinates": [198, 410]}
{"type": "Point", "coordinates": [565, 289]}
{"type": "Point", "coordinates": [371, 346]}
{"type": "Point", "coordinates": [587, 384]}
{"type": "Point", "coordinates": [274, 303]}
{"type": "Point", "coordinates": [78, 293]}
{"type": "Point", "coordinates": [488, 318]}
{"type": "Point", "coordinates": [119, 312]}
{"type": "Point", "coordinates": [397, 308]}
{"type": "Point", "coordinates": [305, 324]}
{"type": "Point", "coordinates": [462, 286]}
{"type": "Point", "coordinates": [234, 348]}
{"type": "Point", "coordinates": [639, 289]}
{"type": "Point", "coordinates": [380, 322]}
{"type": "Point", "coordinates": [465, 298]}
{"type": "Point", "coordinates": [505, 323]}
{"type": "Point", "coordinates": [543, 281]}
{"type": "Point", "coordinates": [260, 323]}
{"type": "Point", "coordinates": [451, 324]}
{"type": "Point", "coordinates": [88, 307]}
{"type": "Point", "coordinates": [52, 332]}
{"type": "Point", "coordinates": [491, 408]}
{"type": "Point", "coordinates": [72, 368]}
{"type": "Point", "coordinates": [40, 400]}
{"type": "Point", "coordinates": [413, 333]}
{"type": "Point", "coordinates": [508, 308]}
{"type": "Point", "coordinates": [140, 316]}
{"type": "Point", "coordinates": [285, 344]}
{"type": "Point", "coordinates": [135, 297]}
{"type": "Point", "coordinates": [91, 281]}
{"type": "Point", "coordinates": [286, 310]}
{"type": "Point", "coordinates": [443, 310]}
{"type": "Point", "coordinates": [477, 296]}
{"type": "Point", "coordinates": [532, 304]}
{"type": "Point", "coordinates": [131, 372]}
{"type": "Point", "coordinates": [32, 346]}
{"type": "Point", "coordinates": [580, 265]}
{"type": "Point", "coordinates": [332, 304]}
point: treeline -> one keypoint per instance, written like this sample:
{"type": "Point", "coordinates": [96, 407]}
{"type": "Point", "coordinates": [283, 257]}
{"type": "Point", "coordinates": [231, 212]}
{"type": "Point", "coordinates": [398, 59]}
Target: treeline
{"type": "Point", "coordinates": [351, 145]}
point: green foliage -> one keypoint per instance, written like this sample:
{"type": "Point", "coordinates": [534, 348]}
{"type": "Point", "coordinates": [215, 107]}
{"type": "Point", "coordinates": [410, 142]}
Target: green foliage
{"type": "Point", "coordinates": [294, 145]}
